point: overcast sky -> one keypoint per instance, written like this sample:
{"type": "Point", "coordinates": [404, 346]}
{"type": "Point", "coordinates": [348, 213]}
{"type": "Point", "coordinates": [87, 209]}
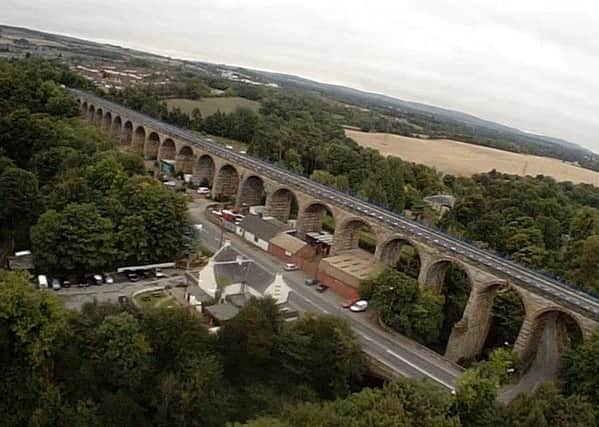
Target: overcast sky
{"type": "Point", "coordinates": [531, 64]}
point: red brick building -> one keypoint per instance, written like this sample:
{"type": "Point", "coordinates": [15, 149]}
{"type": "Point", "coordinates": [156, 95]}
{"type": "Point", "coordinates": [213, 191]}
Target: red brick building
{"type": "Point", "coordinates": [291, 250]}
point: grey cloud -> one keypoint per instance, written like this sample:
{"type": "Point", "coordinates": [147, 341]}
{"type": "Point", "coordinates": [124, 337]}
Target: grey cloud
{"type": "Point", "coordinates": [531, 64]}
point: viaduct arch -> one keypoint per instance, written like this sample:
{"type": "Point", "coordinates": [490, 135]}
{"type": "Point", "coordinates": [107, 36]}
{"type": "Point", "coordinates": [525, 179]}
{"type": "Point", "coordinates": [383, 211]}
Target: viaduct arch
{"type": "Point", "coordinates": [240, 178]}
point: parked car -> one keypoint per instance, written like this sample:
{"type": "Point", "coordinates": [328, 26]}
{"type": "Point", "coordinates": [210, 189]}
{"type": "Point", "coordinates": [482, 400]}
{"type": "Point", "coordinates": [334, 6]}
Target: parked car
{"type": "Point", "coordinates": [348, 303]}
{"type": "Point", "coordinates": [321, 288]}
{"type": "Point", "coordinates": [204, 190]}
{"type": "Point", "coordinates": [97, 279]}
{"type": "Point", "coordinates": [108, 279]}
{"type": "Point", "coordinates": [159, 274]}
{"type": "Point", "coordinates": [83, 283]}
{"type": "Point", "coordinates": [66, 283]}
{"type": "Point", "coordinates": [359, 306]}
{"type": "Point", "coordinates": [56, 284]}
{"type": "Point", "coordinates": [133, 277]}
{"type": "Point", "coordinates": [290, 267]}
{"type": "Point", "coordinates": [312, 282]}
{"type": "Point", "coordinates": [42, 281]}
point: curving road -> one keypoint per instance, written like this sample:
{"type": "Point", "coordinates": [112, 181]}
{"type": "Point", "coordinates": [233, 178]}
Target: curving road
{"type": "Point", "coordinates": [534, 281]}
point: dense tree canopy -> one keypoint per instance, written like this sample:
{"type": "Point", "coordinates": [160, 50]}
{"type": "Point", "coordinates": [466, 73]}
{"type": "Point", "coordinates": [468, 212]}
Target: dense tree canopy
{"type": "Point", "coordinates": [88, 206]}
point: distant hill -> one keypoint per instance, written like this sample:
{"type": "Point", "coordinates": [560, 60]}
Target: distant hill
{"type": "Point", "coordinates": [376, 100]}
{"type": "Point", "coordinates": [435, 122]}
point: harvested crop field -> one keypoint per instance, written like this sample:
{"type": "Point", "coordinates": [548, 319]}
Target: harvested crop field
{"type": "Point", "coordinates": [461, 159]}
{"type": "Point", "coordinates": [209, 106]}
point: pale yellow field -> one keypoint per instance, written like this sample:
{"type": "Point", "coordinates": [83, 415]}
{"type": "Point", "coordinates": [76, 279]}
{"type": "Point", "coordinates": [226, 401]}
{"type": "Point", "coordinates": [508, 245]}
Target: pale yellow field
{"type": "Point", "coordinates": [461, 159]}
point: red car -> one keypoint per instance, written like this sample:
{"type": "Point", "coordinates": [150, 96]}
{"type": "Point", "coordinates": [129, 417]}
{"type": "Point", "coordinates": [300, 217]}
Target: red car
{"type": "Point", "coordinates": [348, 303]}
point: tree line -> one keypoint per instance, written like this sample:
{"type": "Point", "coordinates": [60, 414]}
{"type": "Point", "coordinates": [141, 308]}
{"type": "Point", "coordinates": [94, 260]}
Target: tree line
{"type": "Point", "coordinates": [67, 194]}
{"type": "Point", "coordinates": [117, 365]}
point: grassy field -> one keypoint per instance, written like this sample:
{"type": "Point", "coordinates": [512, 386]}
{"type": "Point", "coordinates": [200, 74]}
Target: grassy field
{"type": "Point", "coordinates": [209, 106]}
{"type": "Point", "coordinates": [461, 159]}
{"type": "Point", "coordinates": [155, 299]}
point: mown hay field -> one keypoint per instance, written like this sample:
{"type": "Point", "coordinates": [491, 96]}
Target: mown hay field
{"type": "Point", "coordinates": [461, 159]}
{"type": "Point", "coordinates": [209, 106]}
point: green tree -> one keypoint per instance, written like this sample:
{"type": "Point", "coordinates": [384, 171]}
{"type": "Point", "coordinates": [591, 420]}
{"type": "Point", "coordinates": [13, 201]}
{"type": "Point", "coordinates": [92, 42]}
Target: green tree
{"type": "Point", "coordinates": [583, 263]}
{"type": "Point", "coordinates": [585, 223]}
{"type": "Point", "coordinates": [324, 352]}
{"type": "Point", "coordinates": [121, 351]}
{"type": "Point", "coordinates": [407, 309]}
{"type": "Point", "coordinates": [76, 240]}
{"type": "Point", "coordinates": [547, 407]}
{"type": "Point", "coordinates": [475, 399]}
{"type": "Point", "coordinates": [579, 367]}
{"type": "Point", "coordinates": [19, 195]}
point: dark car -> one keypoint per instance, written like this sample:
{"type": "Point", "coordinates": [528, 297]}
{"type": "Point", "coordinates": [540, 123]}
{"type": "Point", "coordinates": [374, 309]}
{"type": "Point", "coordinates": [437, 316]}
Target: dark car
{"type": "Point", "coordinates": [321, 288]}
{"type": "Point", "coordinates": [312, 282]}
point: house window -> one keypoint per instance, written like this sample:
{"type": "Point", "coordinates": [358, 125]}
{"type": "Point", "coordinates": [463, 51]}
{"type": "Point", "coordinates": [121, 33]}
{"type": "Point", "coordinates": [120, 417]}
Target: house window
{"type": "Point", "coordinates": [256, 239]}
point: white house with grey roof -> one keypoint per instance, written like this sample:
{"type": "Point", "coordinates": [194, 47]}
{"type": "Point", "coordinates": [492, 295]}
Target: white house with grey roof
{"type": "Point", "coordinates": [258, 231]}
{"type": "Point", "coordinates": [243, 275]}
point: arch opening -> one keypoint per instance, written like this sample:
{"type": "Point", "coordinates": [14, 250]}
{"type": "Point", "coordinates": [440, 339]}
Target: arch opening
{"type": "Point", "coordinates": [91, 113]}
{"type": "Point", "coordinates": [355, 234]}
{"type": "Point", "coordinates": [553, 332]}
{"type": "Point", "coordinates": [98, 120]}
{"type": "Point", "coordinates": [252, 192]}
{"type": "Point", "coordinates": [107, 121]}
{"type": "Point", "coordinates": [152, 146]}
{"type": "Point", "coordinates": [168, 150]}
{"type": "Point", "coordinates": [506, 319]}
{"type": "Point", "coordinates": [226, 184]}
{"type": "Point", "coordinates": [117, 127]}
{"type": "Point", "coordinates": [84, 109]}
{"type": "Point", "coordinates": [127, 137]}
{"type": "Point", "coordinates": [204, 172]}
{"type": "Point", "coordinates": [402, 255]}
{"type": "Point", "coordinates": [449, 279]}
{"type": "Point", "coordinates": [185, 160]}
{"type": "Point", "coordinates": [282, 205]}
{"type": "Point", "coordinates": [139, 139]}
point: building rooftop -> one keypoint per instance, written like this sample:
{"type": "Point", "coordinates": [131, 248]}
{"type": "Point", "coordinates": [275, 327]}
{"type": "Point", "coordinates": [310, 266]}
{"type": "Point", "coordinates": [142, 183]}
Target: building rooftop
{"type": "Point", "coordinates": [441, 199]}
{"type": "Point", "coordinates": [354, 263]}
{"type": "Point", "coordinates": [323, 237]}
{"type": "Point", "coordinates": [264, 229]}
{"type": "Point", "coordinates": [236, 272]}
{"type": "Point", "coordinates": [288, 242]}
{"type": "Point", "coordinates": [198, 293]}
{"type": "Point", "coordinates": [222, 312]}
{"type": "Point", "coordinates": [238, 300]}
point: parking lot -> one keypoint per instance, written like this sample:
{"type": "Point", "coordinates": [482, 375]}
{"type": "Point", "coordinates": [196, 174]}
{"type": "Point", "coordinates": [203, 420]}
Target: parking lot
{"type": "Point", "coordinates": [75, 297]}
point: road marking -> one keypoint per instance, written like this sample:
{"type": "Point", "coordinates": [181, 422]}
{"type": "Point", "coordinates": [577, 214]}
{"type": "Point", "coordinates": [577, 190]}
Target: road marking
{"type": "Point", "coordinates": [422, 371]}
{"type": "Point", "coordinates": [311, 302]}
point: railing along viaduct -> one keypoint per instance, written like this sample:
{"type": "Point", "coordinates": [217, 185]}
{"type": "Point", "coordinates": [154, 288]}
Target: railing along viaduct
{"type": "Point", "coordinates": [250, 181]}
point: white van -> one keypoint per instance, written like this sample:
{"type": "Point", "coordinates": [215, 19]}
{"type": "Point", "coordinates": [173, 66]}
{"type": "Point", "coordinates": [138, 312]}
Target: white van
{"type": "Point", "coordinates": [42, 281]}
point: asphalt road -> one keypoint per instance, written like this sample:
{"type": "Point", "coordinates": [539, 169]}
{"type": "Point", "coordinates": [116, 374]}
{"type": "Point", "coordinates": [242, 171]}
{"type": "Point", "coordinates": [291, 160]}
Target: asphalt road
{"type": "Point", "coordinates": [75, 297]}
{"type": "Point", "coordinates": [399, 354]}
{"type": "Point", "coordinates": [543, 369]}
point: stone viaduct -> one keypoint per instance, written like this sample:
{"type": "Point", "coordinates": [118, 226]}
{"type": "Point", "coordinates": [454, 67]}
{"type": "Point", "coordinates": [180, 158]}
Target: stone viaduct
{"type": "Point", "coordinates": [252, 182]}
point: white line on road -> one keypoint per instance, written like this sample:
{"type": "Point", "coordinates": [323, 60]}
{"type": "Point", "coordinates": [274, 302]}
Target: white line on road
{"type": "Point", "coordinates": [422, 371]}
{"type": "Point", "coordinates": [311, 302]}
